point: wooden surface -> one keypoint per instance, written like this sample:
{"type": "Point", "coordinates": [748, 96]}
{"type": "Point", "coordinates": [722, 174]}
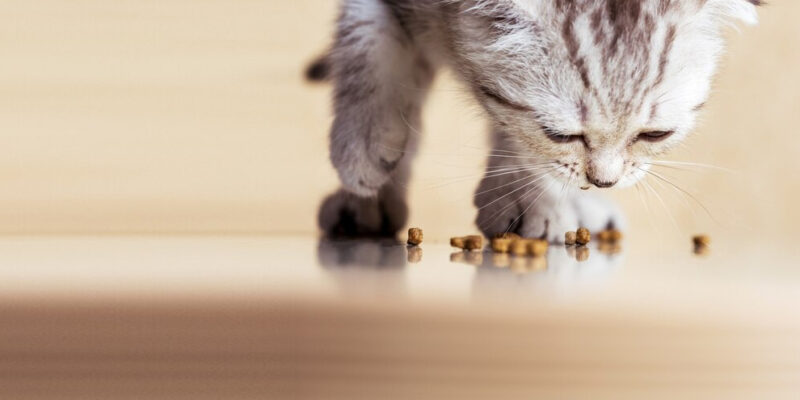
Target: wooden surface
{"type": "Point", "coordinates": [297, 318]}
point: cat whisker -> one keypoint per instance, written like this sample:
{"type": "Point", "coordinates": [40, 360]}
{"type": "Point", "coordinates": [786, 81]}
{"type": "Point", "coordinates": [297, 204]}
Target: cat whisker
{"type": "Point", "coordinates": [663, 203]}
{"type": "Point", "coordinates": [685, 192]}
{"type": "Point", "coordinates": [529, 206]}
{"type": "Point", "coordinates": [498, 213]}
{"type": "Point", "coordinates": [493, 174]}
{"type": "Point", "coordinates": [691, 164]}
{"type": "Point", "coordinates": [537, 179]}
{"type": "Point", "coordinates": [502, 186]}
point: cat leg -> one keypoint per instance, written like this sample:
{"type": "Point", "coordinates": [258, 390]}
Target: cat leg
{"type": "Point", "coordinates": [380, 81]}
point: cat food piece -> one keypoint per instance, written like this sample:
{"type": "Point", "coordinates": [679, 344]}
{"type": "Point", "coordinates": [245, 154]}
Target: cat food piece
{"type": "Point", "coordinates": [582, 253]}
{"type": "Point", "coordinates": [414, 254]}
{"type": "Point", "coordinates": [701, 244]}
{"type": "Point", "coordinates": [610, 235]}
{"type": "Point", "coordinates": [414, 236]}
{"type": "Point", "coordinates": [583, 236]}
{"type": "Point", "coordinates": [701, 240]}
{"type": "Point", "coordinates": [457, 242]}
{"type": "Point", "coordinates": [520, 247]}
{"type": "Point", "coordinates": [507, 235]}
{"type": "Point", "coordinates": [501, 245]}
{"type": "Point", "coordinates": [538, 247]}
{"type": "Point", "coordinates": [473, 242]}
{"type": "Point", "coordinates": [570, 238]}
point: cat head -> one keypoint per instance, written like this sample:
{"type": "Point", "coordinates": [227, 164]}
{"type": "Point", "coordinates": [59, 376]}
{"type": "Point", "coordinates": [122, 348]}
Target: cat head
{"type": "Point", "coordinates": [597, 87]}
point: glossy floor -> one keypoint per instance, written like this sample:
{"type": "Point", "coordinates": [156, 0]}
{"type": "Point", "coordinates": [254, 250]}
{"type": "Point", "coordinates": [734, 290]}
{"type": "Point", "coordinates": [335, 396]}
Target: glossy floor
{"type": "Point", "coordinates": [298, 317]}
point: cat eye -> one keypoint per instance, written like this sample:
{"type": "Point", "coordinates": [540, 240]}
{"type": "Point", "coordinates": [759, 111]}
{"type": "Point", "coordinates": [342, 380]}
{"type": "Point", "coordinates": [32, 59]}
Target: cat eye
{"type": "Point", "coordinates": [654, 136]}
{"type": "Point", "coordinates": [502, 100]}
{"type": "Point", "coordinates": [560, 137]}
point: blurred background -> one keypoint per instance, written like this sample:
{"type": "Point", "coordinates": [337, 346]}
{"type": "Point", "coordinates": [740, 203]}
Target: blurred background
{"type": "Point", "coordinates": [145, 116]}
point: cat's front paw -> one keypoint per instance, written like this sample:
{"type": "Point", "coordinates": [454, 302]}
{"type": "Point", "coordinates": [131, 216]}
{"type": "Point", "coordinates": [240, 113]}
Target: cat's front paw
{"type": "Point", "coordinates": [547, 215]}
{"type": "Point", "coordinates": [364, 166]}
{"type": "Point", "coordinates": [344, 214]}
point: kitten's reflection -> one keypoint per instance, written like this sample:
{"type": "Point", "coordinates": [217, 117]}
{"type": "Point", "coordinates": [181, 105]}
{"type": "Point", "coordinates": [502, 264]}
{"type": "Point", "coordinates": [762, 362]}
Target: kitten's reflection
{"type": "Point", "coordinates": [563, 269]}
{"type": "Point", "coordinates": [366, 267]}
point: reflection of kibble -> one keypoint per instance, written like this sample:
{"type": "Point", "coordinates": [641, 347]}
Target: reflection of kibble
{"type": "Point", "coordinates": [501, 260]}
{"type": "Point", "coordinates": [571, 252]}
{"type": "Point", "coordinates": [582, 253]}
{"type": "Point", "coordinates": [519, 247]}
{"type": "Point", "coordinates": [609, 247]}
{"type": "Point", "coordinates": [414, 254]}
{"type": "Point", "coordinates": [519, 265]}
{"type": "Point", "coordinates": [538, 247]}
{"type": "Point", "coordinates": [583, 236]}
{"type": "Point", "coordinates": [457, 257]}
{"type": "Point", "coordinates": [414, 236]}
{"type": "Point", "coordinates": [539, 263]}
{"type": "Point", "coordinates": [570, 238]}
{"type": "Point", "coordinates": [501, 245]}
{"type": "Point", "coordinates": [473, 242]}
{"type": "Point", "coordinates": [457, 242]}
{"type": "Point", "coordinates": [474, 258]}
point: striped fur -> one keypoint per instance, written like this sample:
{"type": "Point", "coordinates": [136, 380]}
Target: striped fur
{"type": "Point", "coordinates": [586, 85]}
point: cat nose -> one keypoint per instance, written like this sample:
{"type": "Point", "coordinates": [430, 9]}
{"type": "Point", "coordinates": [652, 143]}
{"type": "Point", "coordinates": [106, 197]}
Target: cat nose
{"type": "Point", "coordinates": [599, 183]}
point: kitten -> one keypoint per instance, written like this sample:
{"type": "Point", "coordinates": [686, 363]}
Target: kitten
{"type": "Point", "coordinates": [580, 94]}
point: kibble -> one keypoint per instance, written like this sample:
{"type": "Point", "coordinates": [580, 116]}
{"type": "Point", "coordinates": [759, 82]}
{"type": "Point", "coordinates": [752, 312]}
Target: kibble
{"type": "Point", "coordinates": [538, 247]}
{"type": "Point", "coordinates": [520, 247]}
{"type": "Point", "coordinates": [701, 240]}
{"type": "Point", "coordinates": [570, 238]}
{"type": "Point", "coordinates": [507, 235]}
{"type": "Point", "coordinates": [610, 235]}
{"type": "Point", "coordinates": [583, 236]}
{"type": "Point", "coordinates": [501, 245]}
{"type": "Point", "coordinates": [473, 242]}
{"type": "Point", "coordinates": [457, 242]}
{"type": "Point", "coordinates": [701, 244]}
{"type": "Point", "coordinates": [415, 236]}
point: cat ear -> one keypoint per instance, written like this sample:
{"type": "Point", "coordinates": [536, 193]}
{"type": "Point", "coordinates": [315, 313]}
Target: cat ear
{"type": "Point", "coordinates": [735, 10]}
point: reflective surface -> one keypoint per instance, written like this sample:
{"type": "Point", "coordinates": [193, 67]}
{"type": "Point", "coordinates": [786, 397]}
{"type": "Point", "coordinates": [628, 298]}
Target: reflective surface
{"type": "Point", "coordinates": [303, 318]}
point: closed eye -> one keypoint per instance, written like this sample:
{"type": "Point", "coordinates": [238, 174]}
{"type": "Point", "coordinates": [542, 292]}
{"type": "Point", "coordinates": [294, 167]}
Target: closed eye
{"type": "Point", "coordinates": [559, 137]}
{"type": "Point", "coordinates": [502, 100]}
{"type": "Point", "coordinates": [654, 136]}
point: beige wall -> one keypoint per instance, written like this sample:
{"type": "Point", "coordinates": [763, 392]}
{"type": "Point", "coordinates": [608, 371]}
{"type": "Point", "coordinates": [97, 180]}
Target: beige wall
{"type": "Point", "coordinates": [179, 115]}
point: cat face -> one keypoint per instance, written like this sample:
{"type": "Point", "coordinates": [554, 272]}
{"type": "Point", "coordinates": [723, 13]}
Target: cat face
{"type": "Point", "coordinates": [598, 88]}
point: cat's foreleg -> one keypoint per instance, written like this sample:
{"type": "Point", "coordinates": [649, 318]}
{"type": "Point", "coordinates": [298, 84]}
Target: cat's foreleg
{"type": "Point", "coordinates": [380, 81]}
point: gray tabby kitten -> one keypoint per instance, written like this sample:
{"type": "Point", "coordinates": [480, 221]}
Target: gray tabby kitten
{"type": "Point", "coordinates": [580, 93]}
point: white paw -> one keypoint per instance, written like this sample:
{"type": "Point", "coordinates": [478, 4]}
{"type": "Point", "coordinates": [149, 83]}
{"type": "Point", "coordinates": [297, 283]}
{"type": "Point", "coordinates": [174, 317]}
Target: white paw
{"type": "Point", "coordinates": [546, 215]}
